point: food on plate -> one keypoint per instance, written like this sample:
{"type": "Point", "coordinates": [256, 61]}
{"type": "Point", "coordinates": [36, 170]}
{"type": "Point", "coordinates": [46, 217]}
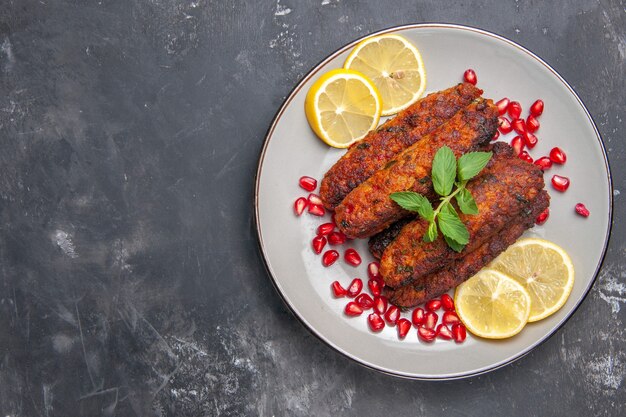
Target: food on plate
{"type": "Point", "coordinates": [379, 242]}
{"type": "Point", "coordinates": [342, 106]}
{"type": "Point", "coordinates": [394, 65]}
{"type": "Point", "coordinates": [371, 153]}
{"type": "Point", "coordinates": [368, 209]}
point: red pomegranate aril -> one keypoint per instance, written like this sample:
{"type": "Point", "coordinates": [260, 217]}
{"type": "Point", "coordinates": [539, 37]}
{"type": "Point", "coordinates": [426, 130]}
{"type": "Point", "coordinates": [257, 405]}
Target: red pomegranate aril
{"type": "Point", "coordinates": [329, 257]}
{"type": "Point", "coordinates": [373, 270]}
{"type": "Point", "coordinates": [526, 157]}
{"type": "Point", "coordinates": [459, 333]}
{"type": "Point", "coordinates": [530, 139]}
{"type": "Point", "coordinates": [404, 325]}
{"type": "Point", "coordinates": [338, 290]}
{"type": "Point", "coordinates": [299, 205]}
{"type": "Point", "coordinates": [470, 76]}
{"type": "Point", "coordinates": [504, 125]}
{"type": "Point", "coordinates": [325, 229]}
{"type": "Point", "coordinates": [353, 309]}
{"type": "Point", "coordinates": [317, 209]}
{"type": "Point", "coordinates": [447, 303]}
{"type": "Point", "coordinates": [336, 238]}
{"type": "Point", "coordinates": [560, 183]}
{"type": "Point", "coordinates": [543, 216]}
{"type": "Point", "coordinates": [430, 319]}
{"type": "Point", "coordinates": [318, 244]}
{"type": "Point", "coordinates": [514, 109]}
{"type": "Point", "coordinates": [536, 108]}
{"type": "Point", "coordinates": [376, 322]}
{"type": "Point", "coordinates": [308, 183]}
{"type": "Point", "coordinates": [502, 105]}
{"type": "Point", "coordinates": [544, 163]}
{"type": "Point", "coordinates": [375, 287]}
{"type": "Point", "coordinates": [443, 332]}
{"type": "Point", "coordinates": [364, 301]}
{"type": "Point", "coordinates": [496, 135]}
{"type": "Point", "coordinates": [392, 315]}
{"type": "Point", "coordinates": [532, 124]}
{"type": "Point", "coordinates": [518, 145]}
{"type": "Point", "coordinates": [352, 257]}
{"type": "Point", "coordinates": [417, 317]}
{"type": "Point", "coordinates": [315, 199]}
{"type": "Point", "coordinates": [433, 305]}
{"type": "Point", "coordinates": [355, 287]}
{"type": "Point", "coordinates": [380, 304]}
{"type": "Point", "coordinates": [581, 209]}
{"type": "Point", "coordinates": [558, 156]}
{"type": "Point", "coordinates": [450, 317]}
{"type": "Point", "coordinates": [427, 335]}
{"type": "Point", "coordinates": [519, 125]}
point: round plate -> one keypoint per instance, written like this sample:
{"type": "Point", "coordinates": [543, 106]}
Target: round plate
{"type": "Point", "coordinates": [291, 150]}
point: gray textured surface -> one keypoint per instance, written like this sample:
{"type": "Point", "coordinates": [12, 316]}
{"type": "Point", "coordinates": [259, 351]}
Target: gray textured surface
{"type": "Point", "coordinates": [130, 280]}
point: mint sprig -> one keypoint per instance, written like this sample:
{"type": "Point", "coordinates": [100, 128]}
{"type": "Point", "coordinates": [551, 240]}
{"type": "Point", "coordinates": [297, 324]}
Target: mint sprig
{"type": "Point", "coordinates": [447, 172]}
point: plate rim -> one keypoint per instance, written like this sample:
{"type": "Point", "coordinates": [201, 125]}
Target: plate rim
{"type": "Point", "coordinates": [299, 85]}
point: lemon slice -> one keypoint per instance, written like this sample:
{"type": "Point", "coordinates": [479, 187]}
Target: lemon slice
{"type": "Point", "coordinates": [492, 305]}
{"type": "Point", "coordinates": [394, 65]}
{"type": "Point", "coordinates": [544, 269]}
{"type": "Point", "coordinates": [342, 106]}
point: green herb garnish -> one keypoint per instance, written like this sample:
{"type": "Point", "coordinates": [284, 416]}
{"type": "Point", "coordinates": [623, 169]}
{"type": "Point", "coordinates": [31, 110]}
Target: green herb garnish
{"type": "Point", "coordinates": [447, 173]}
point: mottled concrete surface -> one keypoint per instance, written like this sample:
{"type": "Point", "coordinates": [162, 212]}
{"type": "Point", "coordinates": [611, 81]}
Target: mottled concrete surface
{"type": "Point", "coordinates": [130, 280]}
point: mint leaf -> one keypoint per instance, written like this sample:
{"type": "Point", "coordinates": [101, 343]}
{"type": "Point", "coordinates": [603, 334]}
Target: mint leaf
{"type": "Point", "coordinates": [472, 163]}
{"type": "Point", "coordinates": [411, 201]}
{"type": "Point", "coordinates": [466, 202]}
{"type": "Point", "coordinates": [444, 171]}
{"type": "Point", "coordinates": [452, 227]}
{"type": "Point", "coordinates": [431, 234]}
{"type": "Point", "coordinates": [454, 245]}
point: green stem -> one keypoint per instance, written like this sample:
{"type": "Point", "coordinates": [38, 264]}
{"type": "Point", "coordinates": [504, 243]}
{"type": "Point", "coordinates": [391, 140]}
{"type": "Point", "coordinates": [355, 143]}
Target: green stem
{"type": "Point", "coordinates": [447, 199]}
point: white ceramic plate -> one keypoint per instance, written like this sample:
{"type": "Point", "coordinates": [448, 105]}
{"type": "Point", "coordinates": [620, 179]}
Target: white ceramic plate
{"type": "Point", "coordinates": [292, 150]}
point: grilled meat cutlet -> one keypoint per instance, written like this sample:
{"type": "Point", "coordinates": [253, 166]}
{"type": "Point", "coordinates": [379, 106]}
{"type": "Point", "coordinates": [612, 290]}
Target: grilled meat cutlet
{"type": "Point", "coordinates": [379, 242]}
{"type": "Point", "coordinates": [503, 191]}
{"type": "Point", "coordinates": [440, 282]}
{"type": "Point", "coordinates": [371, 153]}
{"type": "Point", "coordinates": [368, 209]}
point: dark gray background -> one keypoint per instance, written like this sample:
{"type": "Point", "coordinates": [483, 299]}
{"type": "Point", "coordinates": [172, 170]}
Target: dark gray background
{"type": "Point", "coordinates": [131, 283]}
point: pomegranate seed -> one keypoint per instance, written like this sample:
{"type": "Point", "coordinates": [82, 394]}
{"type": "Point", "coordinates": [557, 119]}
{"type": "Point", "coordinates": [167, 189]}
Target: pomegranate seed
{"type": "Point", "coordinates": [352, 257]}
{"type": "Point", "coordinates": [496, 135]}
{"type": "Point", "coordinates": [433, 305]}
{"type": "Point", "coordinates": [504, 125]}
{"type": "Point", "coordinates": [299, 205]}
{"type": "Point", "coordinates": [502, 105]}
{"type": "Point", "coordinates": [558, 156]}
{"type": "Point", "coordinates": [519, 125]}
{"type": "Point", "coordinates": [329, 257]}
{"type": "Point", "coordinates": [308, 183]}
{"type": "Point", "coordinates": [582, 210]}
{"type": "Point", "coordinates": [315, 200]}
{"type": "Point", "coordinates": [338, 290]}
{"type": "Point", "coordinates": [530, 139]}
{"type": "Point", "coordinates": [543, 216]}
{"type": "Point", "coordinates": [447, 303]}
{"type": "Point", "coordinates": [392, 315]}
{"type": "Point", "coordinates": [526, 157]}
{"type": "Point", "coordinates": [418, 317]}
{"type": "Point", "coordinates": [364, 301]}
{"type": "Point", "coordinates": [470, 76]}
{"type": "Point", "coordinates": [355, 287]}
{"type": "Point", "coordinates": [450, 317]}
{"type": "Point", "coordinates": [430, 319]}
{"type": "Point", "coordinates": [353, 309]}
{"type": "Point", "coordinates": [427, 335]}
{"type": "Point", "coordinates": [318, 244]}
{"type": "Point", "coordinates": [374, 286]}
{"type": "Point", "coordinates": [536, 108]}
{"type": "Point", "coordinates": [317, 209]}
{"type": "Point", "coordinates": [332, 218]}
{"type": "Point", "coordinates": [337, 238]}
{"type": "Point", "coordinates": [373, 270]}
{"type": "Point", "coordinates": [380, 304]}
{"type": "Point", "coordinates": [325, 228]}
{"type": "Point", "coordinates": [458, 332]}
{"type": "Point", "coordinates": [544, 163]}
{"type": "Point", "coordinates": [518, 144]}
{"type": "Point", "coordinates": [532, 124]}
{"type": "Point", "coordinates": [443, 332]}
{"type": "Point", "coordinates": [514, 109]}
{"type": "Point", "coordinates": [404, 326]}
{"type": "Point", "coordinates": [376, 322]}
{"type": "Point", "coordinates": [560, 183]}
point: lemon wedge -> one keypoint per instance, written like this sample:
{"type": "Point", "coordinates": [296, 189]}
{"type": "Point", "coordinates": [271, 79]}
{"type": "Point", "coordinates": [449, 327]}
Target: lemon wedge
{"type": "Point", "coordinates": [342, 106]}
{"type": "Point", "coordinates": [544, 269]}
{"type": "Point", "coordinates": [492, 305]}
{"type": "Point", "coordinates": [394, 65]}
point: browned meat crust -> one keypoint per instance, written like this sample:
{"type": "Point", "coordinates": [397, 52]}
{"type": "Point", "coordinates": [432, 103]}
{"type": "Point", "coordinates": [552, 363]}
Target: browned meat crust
{"type": "Point", "coordinates": [438, 283]}
{"type": "Point", "coordinates": [368, 209]}
{"type": "Point", "coordinates": [503, 191]}
{"type": "Point", "coordinates": [379, 242]}
{"type": "Point", "coordinates": [371, 153]}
